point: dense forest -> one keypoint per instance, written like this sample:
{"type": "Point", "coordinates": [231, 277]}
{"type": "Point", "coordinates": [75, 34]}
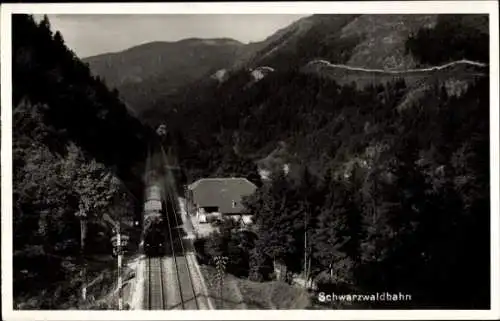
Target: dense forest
{"type": "Point", "coordinates": [411, 213]}
{"type": "Point", "coordinates": [392, 189]}
{"type": "Point", "coordinates": [77, 155]}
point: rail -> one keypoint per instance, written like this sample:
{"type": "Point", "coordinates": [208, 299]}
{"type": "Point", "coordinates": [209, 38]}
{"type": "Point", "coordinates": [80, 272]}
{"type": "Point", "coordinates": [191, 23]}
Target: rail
{"type": "Point", "coordinates": [169, 226]}
{"type": "Point", "coordinates": [156, 293]}
{"type": "Point", "coordinates": [171, 199]}
{"type": "Point", "coordinates": [181, 267]}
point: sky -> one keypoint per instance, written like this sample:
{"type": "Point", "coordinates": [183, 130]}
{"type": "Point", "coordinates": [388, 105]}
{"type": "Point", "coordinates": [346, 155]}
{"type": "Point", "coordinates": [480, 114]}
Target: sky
{"type": "Point", "coordinates": [89, 35]}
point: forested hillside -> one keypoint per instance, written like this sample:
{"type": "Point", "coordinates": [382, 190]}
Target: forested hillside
{"type": "Point", "coordinates": [393, 182]}
{"type": "Point", "coordinates": [77, 155]}
{"type": "Point", "coordinates": [372, 41]}
{"type": "Point", "coordinates": [300, 106]}
{"type": "Point", "coordinates": [147, 73]}
{"type": "Point", "coordinates": [152, 76]}
{"type": "Point", "coordinates": [398, 200]}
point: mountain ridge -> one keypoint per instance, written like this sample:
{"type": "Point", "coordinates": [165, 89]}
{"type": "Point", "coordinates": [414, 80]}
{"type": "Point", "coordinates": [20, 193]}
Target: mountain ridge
{"type": "Point", "coordinates": [191, 40]}
{"type": "Point", "coordinates": [145, 72]}
{"type": "Point", "coordinates": [376, 43]}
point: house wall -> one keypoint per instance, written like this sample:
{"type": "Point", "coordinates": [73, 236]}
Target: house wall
{"type": "Point", "coordinates": [200, 211]}
{"type": "Point", "coordinates": [203, 211]}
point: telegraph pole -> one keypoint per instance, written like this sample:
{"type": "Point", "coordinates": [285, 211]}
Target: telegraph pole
{"type": "Point", "coordinates": [186, 200]}
{"type": "Point", "coordinates": [220, 263]}
{"type": "Point", "coordinates": [82, 256]}
{"type": "Point", "coordinates": [120, 281]}
{"type": "Point", "coordinates": [119, 242]}
{"type": "Point", "coordinates": [305, 248]}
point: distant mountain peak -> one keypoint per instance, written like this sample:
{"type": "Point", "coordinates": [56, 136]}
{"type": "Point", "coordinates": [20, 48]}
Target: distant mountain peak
{"type": "Point", "coordinates": [158, 68]}
{"type": "Point", "coordinates": [211, 41]}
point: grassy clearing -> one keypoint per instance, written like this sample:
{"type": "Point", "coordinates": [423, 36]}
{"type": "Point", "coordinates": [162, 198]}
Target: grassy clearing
{"type": "Point", "coordinates": [231, 295]}
{"type": "Point", "coordinates": [244, 294]}
{"type": "Point", "coordinates": [273, 295]}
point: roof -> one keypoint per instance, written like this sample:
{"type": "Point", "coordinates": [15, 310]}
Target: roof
{"type": "Point", "coordinates": [221, 192]}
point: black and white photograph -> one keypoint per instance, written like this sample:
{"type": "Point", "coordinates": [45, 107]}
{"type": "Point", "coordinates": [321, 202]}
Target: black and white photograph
{"type": "Point", "coordinates": [320, 161]}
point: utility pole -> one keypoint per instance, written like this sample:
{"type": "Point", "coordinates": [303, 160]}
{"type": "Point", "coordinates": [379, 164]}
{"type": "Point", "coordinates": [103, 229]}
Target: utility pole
{"type": "Point", "coordinates": [82, 257]}
{"type": "Point", "coordinates": [186, 200]}
{"type": "Point", "coordinates": [305, 248]}
{"type": "Point", "coordinates": [119, 250]}
{"type": "Point", "coordinates": [220, 264]}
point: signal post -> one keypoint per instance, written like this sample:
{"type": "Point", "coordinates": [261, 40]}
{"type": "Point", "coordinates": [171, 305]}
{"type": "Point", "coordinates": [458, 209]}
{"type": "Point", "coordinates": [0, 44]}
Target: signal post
{"type": "Point", "coordinates": [119, 242]}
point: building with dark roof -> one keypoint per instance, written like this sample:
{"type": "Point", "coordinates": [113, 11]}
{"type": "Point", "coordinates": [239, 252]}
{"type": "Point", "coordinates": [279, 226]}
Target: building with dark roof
{"type": "Point", "coordinates": [220, 195]}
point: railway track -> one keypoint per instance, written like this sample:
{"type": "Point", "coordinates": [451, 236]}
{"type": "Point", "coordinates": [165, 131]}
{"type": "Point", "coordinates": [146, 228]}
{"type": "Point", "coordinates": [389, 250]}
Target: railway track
{"type": "Point", "coordinates": [188, 296]}
{"type": "Point", "coordinates": [170, 283]}
{"type": "Point", "coordinates": [156, 284]}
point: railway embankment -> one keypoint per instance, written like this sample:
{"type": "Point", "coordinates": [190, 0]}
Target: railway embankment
{"type": "Point", "coordinates": [135, 295]}
{"type": "Point", "coordinates": [199, 283]}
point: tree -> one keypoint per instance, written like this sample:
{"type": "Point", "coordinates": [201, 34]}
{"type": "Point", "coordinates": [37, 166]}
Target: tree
{"type": "Point", "coordinates": [335, 238]}
{"type": "Point", "coordinates": [220, 263]}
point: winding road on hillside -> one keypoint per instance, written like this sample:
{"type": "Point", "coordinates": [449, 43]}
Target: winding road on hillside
{"type": "Point", "coordinates": [324, 63]}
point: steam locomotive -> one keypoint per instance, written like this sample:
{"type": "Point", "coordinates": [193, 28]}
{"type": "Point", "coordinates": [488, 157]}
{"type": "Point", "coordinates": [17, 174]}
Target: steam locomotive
{"type": "Point", "coordinates": [154, 240]}
{"type": "Point", "coordinates": [154, 227]}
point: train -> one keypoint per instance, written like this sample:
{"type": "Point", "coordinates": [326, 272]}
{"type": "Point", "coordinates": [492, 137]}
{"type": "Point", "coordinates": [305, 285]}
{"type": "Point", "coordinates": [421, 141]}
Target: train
{"type": "Point", "coordinates": [154, 232]}
{"type": "Point", "coordinates": [155, 214]}
{"type": "Point", "coordinates": [154, 222]}
{"type": "Point", "coordinates": [155, 239]}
